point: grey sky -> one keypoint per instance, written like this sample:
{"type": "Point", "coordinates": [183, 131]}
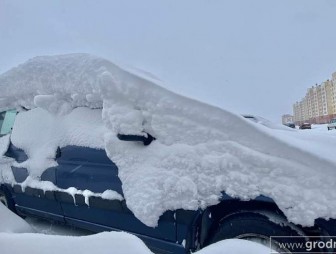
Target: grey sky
{"type": "Point", "coordinates": [255, 57]}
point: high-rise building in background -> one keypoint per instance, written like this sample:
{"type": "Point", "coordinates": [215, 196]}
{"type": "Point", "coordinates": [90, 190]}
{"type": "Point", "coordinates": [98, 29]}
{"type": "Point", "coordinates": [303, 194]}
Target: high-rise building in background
{"type": "Point", "coordinates": [318, 105]}
{"type": "Point", "coordinates": [286, 119]}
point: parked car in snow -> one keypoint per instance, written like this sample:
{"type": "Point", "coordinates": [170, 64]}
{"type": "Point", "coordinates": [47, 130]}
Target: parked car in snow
{"type": "Point", "coordinates": [332, 125]}
{"type": "Point", "coordinates": [98, 147]}
{"type": "Point", "coordinates": [305, 126]}
{"type": "Point", "coordinates": [290, 125]}
{"type": "Point", "coordinates": [178, 231]}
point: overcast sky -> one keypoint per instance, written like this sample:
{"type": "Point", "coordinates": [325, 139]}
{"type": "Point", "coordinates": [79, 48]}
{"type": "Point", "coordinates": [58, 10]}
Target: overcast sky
{"type": "Point", "coordinates": [255, 57]}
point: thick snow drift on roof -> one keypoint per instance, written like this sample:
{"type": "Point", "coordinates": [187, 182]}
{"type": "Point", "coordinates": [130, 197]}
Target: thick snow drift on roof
{"type": "Point", "coordinates": [199, 151]}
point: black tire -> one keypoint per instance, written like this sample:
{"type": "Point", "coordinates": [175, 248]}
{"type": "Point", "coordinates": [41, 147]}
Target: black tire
{"type": "Point", "coordinates": [258, 228]}
{"type": "Point", "coordinates": [5, 198]}
{"type": "Point", "coordinates": [328, 129]}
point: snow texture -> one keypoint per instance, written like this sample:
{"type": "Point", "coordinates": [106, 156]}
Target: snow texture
{"type": "Point", "coordinates": [103, 243]}
{"type": "Point", "coordinates": [108, 242]}
{"type": "Point", "coordinates": [11, 223]}
{"type": "Point", "coordinates": [199, 152]}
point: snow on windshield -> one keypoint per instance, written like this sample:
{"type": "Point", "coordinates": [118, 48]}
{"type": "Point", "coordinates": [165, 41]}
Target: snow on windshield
{"type": "Point", "coordinates": [199, 152]}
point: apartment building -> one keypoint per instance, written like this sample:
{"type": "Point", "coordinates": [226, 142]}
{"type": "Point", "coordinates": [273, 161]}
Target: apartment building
{"type": "Point", "coordinates": [319, 104]}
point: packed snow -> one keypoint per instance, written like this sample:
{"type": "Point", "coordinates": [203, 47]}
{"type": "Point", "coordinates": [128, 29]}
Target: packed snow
{"type": "Point", "coordinates": [17, 236]}
{"type": "Point", "coordinates": [108, 242]}
{"type": "Point", "coordinates": [103, 243]}
{"type": "Point", "coordinates": [11, 223]}
{"type": "Point", "coordinates": [199, 152]}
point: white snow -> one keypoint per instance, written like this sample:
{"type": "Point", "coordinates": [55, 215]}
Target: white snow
{"type": "Point", "coordinates": [236, 246]}
{"type": "Point", "coordinates": [4, 143]}
{"type": "Point", "coordinates": [199, 151]}
{"type": "Point", "coordinates": [82, 127]}
{"type": "Point", "coordinates": [103, 243]}
{"type": "Point", "coordinates": [11, 223]}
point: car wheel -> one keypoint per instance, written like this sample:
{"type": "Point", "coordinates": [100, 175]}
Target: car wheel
{"type": "Point", "coordinates": [259, 228]}
{"type": "Point", "coordinates": [6, 200]}
{"type": "Point", "coordinates": [328, 129]}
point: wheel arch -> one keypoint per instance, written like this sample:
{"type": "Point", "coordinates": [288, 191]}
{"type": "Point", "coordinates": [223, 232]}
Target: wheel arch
{"type": "Point", "coordinates": [214, 216]}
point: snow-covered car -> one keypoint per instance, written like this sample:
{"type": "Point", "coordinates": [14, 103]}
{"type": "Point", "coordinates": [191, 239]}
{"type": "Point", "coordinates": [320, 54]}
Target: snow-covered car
{"type": "Point", "coordinates": [332, 125]}
{"type": "Point", "coordinates": [305, 126]}
{"type": "Point", "coordinates": [97, 147]}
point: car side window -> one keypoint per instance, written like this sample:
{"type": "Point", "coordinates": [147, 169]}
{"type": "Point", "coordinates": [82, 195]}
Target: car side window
{"type": "Point", "coordinates": [7, 119]}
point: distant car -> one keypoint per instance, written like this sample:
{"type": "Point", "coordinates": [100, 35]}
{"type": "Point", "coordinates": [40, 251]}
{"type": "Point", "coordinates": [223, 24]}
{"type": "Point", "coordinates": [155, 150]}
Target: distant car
{"type": "Point", "coordinates": [332, 124]}
{"type": "Point", "coordinates": [305, 126]}
{"type": "Point", "coordinates": [291, 125]}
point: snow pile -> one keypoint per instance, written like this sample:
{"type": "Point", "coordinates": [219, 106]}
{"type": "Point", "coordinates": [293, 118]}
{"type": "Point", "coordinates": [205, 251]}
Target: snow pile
{"type": "Point", "coordinates": [108, 242]}
{"type": "Point", "coordinates": [199, 150]}
{"type": "Point", "coordinates": [236, 246]}
{"type": "Point", "coordinates": [103, 243]}
{"type": "Point", "coordinates": [11, 223]}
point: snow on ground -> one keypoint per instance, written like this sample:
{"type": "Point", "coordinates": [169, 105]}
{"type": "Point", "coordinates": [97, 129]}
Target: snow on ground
{"type": "Point", "coordinates": [16, 236]}
{"type": "Point", "coordinates": [235, 246]}
{"type": "Point", "coordinates": [106, 243]}
{"type": "Point", "coordinates": [199, 152]}
{"type": "Point", "coordinates": [11, 223]}
{"type": "Point", "coordinates": [102, 243]}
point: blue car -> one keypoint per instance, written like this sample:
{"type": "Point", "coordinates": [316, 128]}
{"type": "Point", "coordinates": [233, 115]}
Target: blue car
{"type": "Point", "coordinates": [179, 231]}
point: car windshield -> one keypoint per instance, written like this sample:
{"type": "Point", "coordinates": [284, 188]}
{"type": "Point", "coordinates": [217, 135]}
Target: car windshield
{"type": "Point", "coordinates": [7, 119]}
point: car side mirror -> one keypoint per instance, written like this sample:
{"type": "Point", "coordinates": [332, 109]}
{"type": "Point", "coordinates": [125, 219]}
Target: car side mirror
{"type": "Point", "coordinates": [58, 153]}
{"type": "Point", "coordinates": [146, 140]}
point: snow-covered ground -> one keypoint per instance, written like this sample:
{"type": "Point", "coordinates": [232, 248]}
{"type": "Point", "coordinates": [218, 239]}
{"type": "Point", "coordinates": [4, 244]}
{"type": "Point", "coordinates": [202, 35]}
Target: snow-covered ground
{"type": "Point", "coordinates": [39, 237]}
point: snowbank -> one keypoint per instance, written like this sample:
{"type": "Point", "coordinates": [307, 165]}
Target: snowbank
{"type": "Point", "coordinates": [103, 243]}
{"type": "Point", "coordinates": [199, 151]}
{"type": "Point", "coordinates": [11, 223]}
{"type": "Point", "coordinates": [235, 246]}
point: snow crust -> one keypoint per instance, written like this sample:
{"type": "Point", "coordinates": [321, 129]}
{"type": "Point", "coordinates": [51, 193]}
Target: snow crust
{"type": "Point", "coordinates": [199, 152]}
{"type": "Point", "coordinates": [108, 242]}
